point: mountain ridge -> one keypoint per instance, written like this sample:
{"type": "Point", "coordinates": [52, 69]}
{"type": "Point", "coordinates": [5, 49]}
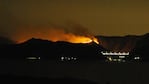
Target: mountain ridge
{"type": "Point", "coordinates": [52, 50]}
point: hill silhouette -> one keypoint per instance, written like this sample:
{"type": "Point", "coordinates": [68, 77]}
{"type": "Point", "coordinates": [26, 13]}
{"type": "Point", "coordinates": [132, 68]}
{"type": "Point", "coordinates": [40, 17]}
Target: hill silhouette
{"type": "Point", "coordinates": [138, 46]}
{"type": "Point", "coordinates": [142, 48]}
{"type": "Point", "coordinates": [119, 43]}
{"type": "Point", "coordinates": [52, 50]}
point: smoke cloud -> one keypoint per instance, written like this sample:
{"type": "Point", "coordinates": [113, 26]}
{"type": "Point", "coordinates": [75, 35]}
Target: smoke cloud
{"type": "Point", "coordinates": [75, 33]}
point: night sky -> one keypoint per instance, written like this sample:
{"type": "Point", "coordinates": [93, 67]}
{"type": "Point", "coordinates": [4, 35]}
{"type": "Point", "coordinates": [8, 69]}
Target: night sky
{"type": "Point", "coordinates": [101, 17]}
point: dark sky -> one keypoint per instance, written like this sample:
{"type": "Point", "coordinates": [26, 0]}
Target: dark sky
{"type": "Point", "coordinates": [102, 17]}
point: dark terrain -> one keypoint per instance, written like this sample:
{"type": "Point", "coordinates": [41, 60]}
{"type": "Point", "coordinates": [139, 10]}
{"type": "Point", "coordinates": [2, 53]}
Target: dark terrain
{"type": "Point", "coordinates": [136, 45]}
{"type": "Point", "coordinates": [87, 68]}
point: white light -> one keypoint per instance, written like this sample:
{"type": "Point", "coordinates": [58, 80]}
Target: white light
{"type": "Point", "coordinates": [38, 57]}
{"type": "Point", "coordinates": [72, 58]}
{"type": "Point", "coordinates": [109, 58]}
{"type": "Point", "coordinates": [119, 60]}
{"type": "Point", "coordinates": [33, 58]}
{"type": "Point", "coordinates": [69, 58]}
{"type": "Point", "coordinates": [62, 58]}
{"type": "Point", "coordinates": [136, 58]}
{"type": "Point", "coordinates": [114, 53]}
{"type": "Point", "coordinates": [75, 58]}
{"type": "Point", "coordinates": [110, 53]}
{"type": "Point", "coordinates": [121, 57]}
{"type": "Point", "coordinates": [114, 59]}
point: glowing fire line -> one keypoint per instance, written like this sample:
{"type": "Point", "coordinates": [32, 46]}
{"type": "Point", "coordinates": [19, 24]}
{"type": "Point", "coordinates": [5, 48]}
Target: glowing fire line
{"type": "Point", "coordinates": [73, 39]}
{"type": "Point", "coordinates": [54, 35]}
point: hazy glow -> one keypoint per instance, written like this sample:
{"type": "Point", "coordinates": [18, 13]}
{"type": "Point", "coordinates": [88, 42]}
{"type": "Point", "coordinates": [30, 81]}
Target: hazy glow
{"type": "Point", "coordinates": [102, 17]}
{"type": "Point", "coordinates": [54, 35]}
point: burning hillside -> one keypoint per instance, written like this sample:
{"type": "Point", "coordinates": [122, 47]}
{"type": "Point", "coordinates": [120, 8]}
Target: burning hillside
{"type": "Point", "coordinates": [54, 34]}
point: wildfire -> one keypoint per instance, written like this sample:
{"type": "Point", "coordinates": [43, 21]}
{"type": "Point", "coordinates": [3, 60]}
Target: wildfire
{"type": "Point", "coordinates": [95, 40]}
{"type": "Point", "coordinates": [82, 39]}
{"type": "Point", "coordinates": [55, 35]}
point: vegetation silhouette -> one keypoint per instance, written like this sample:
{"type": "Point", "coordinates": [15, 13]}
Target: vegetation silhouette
{"type": "Point", "coordinates": [52, 50]}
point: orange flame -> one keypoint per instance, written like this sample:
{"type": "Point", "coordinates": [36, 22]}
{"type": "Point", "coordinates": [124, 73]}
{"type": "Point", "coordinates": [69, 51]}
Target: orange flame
{"type": "Point", "coordinates": [95, 40]}
{"type": "Point", "coordinates": [54, 35]}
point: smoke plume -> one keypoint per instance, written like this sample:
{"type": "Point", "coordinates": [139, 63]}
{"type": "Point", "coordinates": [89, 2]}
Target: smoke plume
{"type": "Point", "coordinates": [74, 33]}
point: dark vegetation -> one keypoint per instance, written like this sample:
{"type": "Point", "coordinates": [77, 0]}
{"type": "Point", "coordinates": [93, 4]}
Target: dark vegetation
{"type": "Point", "coordinates": [142, 48]}
{"type": "Point", "coordinates": [52, 50]}
{"type": "Point", "coordinates": [136, 45]}
{"type": "Point", "coordinates": [119, 43]}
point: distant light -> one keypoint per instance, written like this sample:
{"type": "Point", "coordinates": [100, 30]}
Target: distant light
{"type": "Point", "coordinates": [136, 58]}
{"type": "Point", "coordinates": [109, 58]}
{"type": "Point", "coordinates": [38, 57]}
{"type": "Point", "coordinates": [114, 59]}
{"type": "Point", "coordinates": [114, 53]}
{"type": "Point", "coordinates": [72, 58]}
{"type": "Point", "coordinates": [119, 60]}
{"type": "Point", "coordinates": [33, 58]}
{"type": "Point", "coordinates": [121, 57]}
{"type": "Point", "coordinates": [69, 58]}
{"type": "Point", "coordinates": [62, 58]}
{"type": "Point", "coordinates": [75, 58]}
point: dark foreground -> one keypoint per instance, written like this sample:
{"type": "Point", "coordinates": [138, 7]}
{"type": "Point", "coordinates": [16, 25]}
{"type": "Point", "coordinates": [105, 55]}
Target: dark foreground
{"type": "Point", "coordinates": [22, 79]}
{"type": "Point", "coordinates": [85, 72]}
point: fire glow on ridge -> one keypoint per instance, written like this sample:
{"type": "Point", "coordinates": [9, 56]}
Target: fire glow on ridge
{"type": "Point", "coordinates": [54, 35]}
